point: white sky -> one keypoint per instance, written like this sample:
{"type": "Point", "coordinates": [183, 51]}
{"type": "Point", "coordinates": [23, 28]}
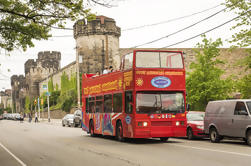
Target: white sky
{"type": "Point", "coordinates": [128, 14]}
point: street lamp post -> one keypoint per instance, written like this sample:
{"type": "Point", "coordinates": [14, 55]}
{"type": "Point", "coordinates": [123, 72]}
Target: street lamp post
{"type": "Point", "coordinates": [78, 82]}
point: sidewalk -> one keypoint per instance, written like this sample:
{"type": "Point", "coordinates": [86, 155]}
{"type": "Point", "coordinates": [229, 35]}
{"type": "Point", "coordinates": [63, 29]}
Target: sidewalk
{"type": "Point", "coordinates": [56, 122]}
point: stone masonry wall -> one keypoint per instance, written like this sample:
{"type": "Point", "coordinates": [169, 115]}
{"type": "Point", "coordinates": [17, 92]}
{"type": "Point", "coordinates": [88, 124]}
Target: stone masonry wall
{"type": "Point", "coordinates": [98, 42]}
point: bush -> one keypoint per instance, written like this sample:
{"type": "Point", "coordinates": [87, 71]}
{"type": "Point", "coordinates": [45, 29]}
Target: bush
{"type": "Point", "coordinates": [66, 106]}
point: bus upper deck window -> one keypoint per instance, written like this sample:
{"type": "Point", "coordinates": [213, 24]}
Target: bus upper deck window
{"type": "Point", "coordinates": [128, 61]}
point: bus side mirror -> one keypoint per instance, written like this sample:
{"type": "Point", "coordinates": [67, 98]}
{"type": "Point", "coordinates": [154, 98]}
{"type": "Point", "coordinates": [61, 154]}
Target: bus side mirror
{"type": "Point", "coordinates": [188, 107]}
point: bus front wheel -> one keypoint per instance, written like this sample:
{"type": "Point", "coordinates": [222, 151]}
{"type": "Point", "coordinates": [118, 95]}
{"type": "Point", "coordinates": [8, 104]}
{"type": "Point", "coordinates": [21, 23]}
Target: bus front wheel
{"type": "Point", "coordinates": [163, 139]}
{"type": "Point", "coordinates": [119, 132]}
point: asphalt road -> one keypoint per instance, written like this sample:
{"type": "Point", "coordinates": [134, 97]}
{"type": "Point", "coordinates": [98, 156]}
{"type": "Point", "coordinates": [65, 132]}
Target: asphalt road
{"type": "Point", "coordinates": [44, 144]}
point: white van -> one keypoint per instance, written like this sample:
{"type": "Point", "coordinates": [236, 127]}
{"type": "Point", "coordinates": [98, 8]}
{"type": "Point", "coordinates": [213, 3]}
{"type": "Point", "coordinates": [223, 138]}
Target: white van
{"type": "Point", "coordinates": [228, 118]}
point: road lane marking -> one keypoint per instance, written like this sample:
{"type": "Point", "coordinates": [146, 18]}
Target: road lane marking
{"type": "Point", "coordinates": [20, 162]}
{"type": "Point", "coordinates": [220, 151]}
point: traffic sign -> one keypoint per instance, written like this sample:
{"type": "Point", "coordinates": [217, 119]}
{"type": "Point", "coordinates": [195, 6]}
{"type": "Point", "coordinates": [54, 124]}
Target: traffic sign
{"type": "Point", "coordinates": [47, 93]}
{"type": "Point", "coordinates": [44, 87]}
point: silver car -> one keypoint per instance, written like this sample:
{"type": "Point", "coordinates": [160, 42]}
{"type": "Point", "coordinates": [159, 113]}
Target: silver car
{"type": "Point", "coordinates": [228, 118]}
{"type": "Point", "coordinates": [68, 120]}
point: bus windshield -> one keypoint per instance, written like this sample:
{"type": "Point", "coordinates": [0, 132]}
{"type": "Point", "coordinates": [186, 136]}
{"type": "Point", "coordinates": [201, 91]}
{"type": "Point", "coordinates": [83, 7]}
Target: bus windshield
{"type": "Point", "coordinates": [160, 102]}
{"type": "Point", "coordinates": [159, 60]}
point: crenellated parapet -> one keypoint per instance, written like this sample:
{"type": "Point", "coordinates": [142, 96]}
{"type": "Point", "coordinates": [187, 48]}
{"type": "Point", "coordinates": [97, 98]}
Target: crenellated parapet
{"type": "Point", "coordinates": [100, 26]}
{"type": "Point", "coordinates": [30, 63]}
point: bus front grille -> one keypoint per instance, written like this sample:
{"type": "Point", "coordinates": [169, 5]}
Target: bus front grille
{"type": "Point", "coordinates": [161, 123]}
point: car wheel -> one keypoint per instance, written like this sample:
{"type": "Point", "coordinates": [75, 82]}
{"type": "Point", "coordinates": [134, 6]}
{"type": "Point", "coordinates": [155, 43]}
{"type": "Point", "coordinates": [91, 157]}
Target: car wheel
{"type": "Point", "coordinates": [214, 136]}
{"type": "Point", "coordinates": [119, 132]}
{"type": "Point", "coordinates": [248, 137]}
{"type": "Point", "coordinates": [163, 139]}
{"type": "Point", "coordinates": [190, 135]}
{"type": "Point", "coordinates": [74, 124]}
{"type": "Point", "coordinates": [91, 129]}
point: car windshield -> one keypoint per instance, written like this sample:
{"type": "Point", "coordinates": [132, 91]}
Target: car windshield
{"type": "Point", "coordinates": [159, 60]}
{"type": "Point", "coordinates": [70, 116]}
{"type": "Point", "coordinates": [160, 102]}
{"type": "Point", "coordinates": [249, 106]}
{"type": "Point", "coordinates": [195, 117]}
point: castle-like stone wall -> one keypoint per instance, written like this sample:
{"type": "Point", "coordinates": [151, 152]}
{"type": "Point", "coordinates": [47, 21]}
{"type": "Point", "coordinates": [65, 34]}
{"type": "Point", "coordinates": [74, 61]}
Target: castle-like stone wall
{"type": "Point", "coordinates": [69, 70]}
{"type": "Point", "coordinates": [231, 57]}
{"type": "Point", "coordinates": [18, 86]}
{"type": "Point", "coordinates": [35, 71]}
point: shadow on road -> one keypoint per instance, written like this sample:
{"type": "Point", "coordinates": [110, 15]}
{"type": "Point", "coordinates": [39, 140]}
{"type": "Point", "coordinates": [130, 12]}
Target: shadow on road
{"type": "Point", "coordinates": [134, 140]}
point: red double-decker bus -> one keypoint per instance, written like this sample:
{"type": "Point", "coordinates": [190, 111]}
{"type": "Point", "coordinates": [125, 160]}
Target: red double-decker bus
{"type": "Point", "coordinates": [144, 99]}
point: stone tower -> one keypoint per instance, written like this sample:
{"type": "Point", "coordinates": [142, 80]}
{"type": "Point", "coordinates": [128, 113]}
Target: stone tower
{"type": "Point", "coordinates": [97, 41]}
{"type": "Point", "coordinates": [18, 86]}
{"type": "Point", "coordinates": [46, 64]}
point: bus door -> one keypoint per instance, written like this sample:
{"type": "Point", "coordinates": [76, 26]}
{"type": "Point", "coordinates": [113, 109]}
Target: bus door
{"type": "Point", "coordinates": [128, 122]}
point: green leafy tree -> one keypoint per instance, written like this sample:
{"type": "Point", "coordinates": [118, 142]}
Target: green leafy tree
{"type": "Point", "coordinates": [241, 7]}
{"type": "Point", "coordinates": [54, 97]}
{"type": "Point", "coordinates": [27, 104]}
{"type": "Point", "coordinates": [204, 82]}
{"type": "Point", "coordinates": [244, 87]}
{"type": "Point", "coordinates": [22, 21]}
{"type": "Point", "coordinates": [242, 39]}
{"type": "Point", "coordinates": [50, 85]}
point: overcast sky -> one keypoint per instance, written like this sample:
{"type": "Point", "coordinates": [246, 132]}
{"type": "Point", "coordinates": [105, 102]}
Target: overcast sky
{"type": "Point", "coordinates": [129, 14]}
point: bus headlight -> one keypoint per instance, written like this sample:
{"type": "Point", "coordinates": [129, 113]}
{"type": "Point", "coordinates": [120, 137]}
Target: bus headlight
{"type": "Point", "coordinates": [144, 124]}
{"type": "Point", "coordinates": [200, 127]}
{"type": "Point", "coordinates": [177, 123]}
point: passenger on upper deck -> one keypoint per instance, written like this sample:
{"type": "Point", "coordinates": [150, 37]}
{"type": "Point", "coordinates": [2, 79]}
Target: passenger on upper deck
{"type": "Point", "coordinates": [97, 74]}
{"type": "Point", "coordinates": [106, 71]}
{"type": "Point", "coordinates": [110, 69]}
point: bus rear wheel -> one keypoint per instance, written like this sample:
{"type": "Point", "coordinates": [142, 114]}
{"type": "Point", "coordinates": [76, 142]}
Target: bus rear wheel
{"type": "Point", "coordinates": [119, 132]}
{"type": "Point", "coordinates": [91, 129]}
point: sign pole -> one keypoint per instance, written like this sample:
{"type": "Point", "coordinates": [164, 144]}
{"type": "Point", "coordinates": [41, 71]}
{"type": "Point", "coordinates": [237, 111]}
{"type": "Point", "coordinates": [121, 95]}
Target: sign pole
{"type": "Point", "coordinates": [48, 101]}
{"type": "Point", "coordinates": [45, 87]}
{"type": "Point", "coordinates": [38, 105]}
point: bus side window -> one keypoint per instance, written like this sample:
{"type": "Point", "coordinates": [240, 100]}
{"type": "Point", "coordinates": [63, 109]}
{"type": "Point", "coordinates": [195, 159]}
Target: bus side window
{"type": "Point", "coordinates": [117, 102]}
{"type": "Point", "coordinates": [99, 104]}
{"type": "Point", "coordinates": [128, 102]}
{"type": "Point", "coordinates": [91, 105]}
{"type": "Point", "coordinates": [107, 103]}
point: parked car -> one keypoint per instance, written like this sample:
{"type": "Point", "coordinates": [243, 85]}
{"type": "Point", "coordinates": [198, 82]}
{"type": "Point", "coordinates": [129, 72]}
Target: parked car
{"type": "Point", "coordinates": [16, 116]}
{"type": "Point", "coordinates": [68, 120]}
{"type": "Point", "coordinates": [77, 119]}
{"type": "Point", "coordinates": [1, 117]}
{"type": "Point", "coordinates": [228, 118]}
{"type": "Point", "coordinates": [195, 125]}
{"type": "Point", "coordinates": [5, 116]}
